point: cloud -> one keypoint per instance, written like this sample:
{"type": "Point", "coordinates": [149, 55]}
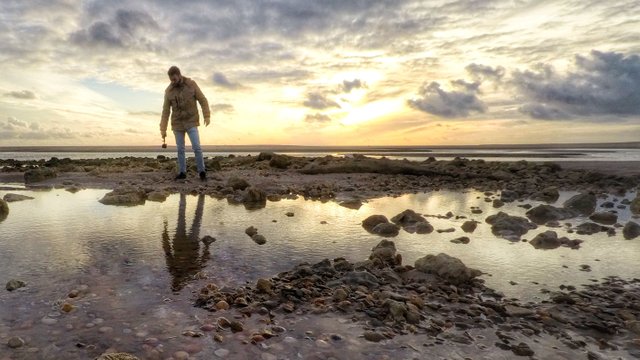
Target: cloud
{"type": "Point", "coordinates": [481, 72]}
{"type": "Point", "coordinates": [15, 129]}
{"type": "Point", "coordinates": [347, 86]}
{"type": "Point", "coordinates": [317, 100]}
{"type": "Point", "coordinates": [317, 118]}
{"type": "Point", "coordinates": [15, 122]}
{"type": "Point", "coordinates": [221, 80]}
{"type": "Point", "coordinates": [449, 104]}
{"type": "Point", "coordinates": [24, 94]}
{"type": "Point", "coordinates": [125, 29]}
{"type": "Point", "coordinates": [144, 113]}
{"type": "Point", "coordinates": [603, 83]}
{"type": "Point", "coordinates": [222, 108]}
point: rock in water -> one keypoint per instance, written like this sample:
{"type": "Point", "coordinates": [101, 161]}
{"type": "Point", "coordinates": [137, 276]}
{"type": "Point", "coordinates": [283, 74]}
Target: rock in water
{"type": "Point", "coordinates": [4, 209]}
{"type": "Point", "coordinates": [259, 239]}
{"type": "Point", "coordinates": [251, 231]}
{"type": "Point", "coordinates": [15, 284]}
{"type": "Point", "coordinates": [461, 240]}
{"type": "Point", "coordinates": [208, 240]}
{"type": "Point", "coordinates": [447, 267]}
{"type": "Point", "coordinates": [237, 183]}
{"type": "Point", "coordinates": [37, 175]}
{"type": "Point", "coordinates": [635, 205]}
{"type": "Point", "coordinates": [117, 356]}
{"type": "Point", "coordinates": [584, 204]}
{"type": "Point", "coordinates": [386, 229]}
{"type": "Point", "coordinates": [542, 214]}
{"type": "Point", "coordinates": [407, 217]}
{"type": "Point", "coordinates": [254, 198]}
{"type": "Point", "coordinates": [157, 196]}
{"type": "Point", "coordinates": [605, 217]}
{"type": "Point", "coordinates": [16, 197]}
{"type": "Point", "coordinates": [631, 230]}
{"type": "Point", "coordinates": [125, 196]}
{"type": "Point", "coordinates": [385, 252]}
{"type": "Point", "coordinates": [353, 204]}
{"type": "Point", "coordinates": [548, 240]}
{"type": "Point", "coordinates": [373, 220]}
{"type": "Point", "coordinates": [549, 194]}
{"type": "Point", "coordinates": [509, 227]}
{"type": "Point", "coordinates": [469, 226]}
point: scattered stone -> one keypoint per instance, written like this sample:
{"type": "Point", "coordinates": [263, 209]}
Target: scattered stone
{"type": "Point", "coordinates": [259, 239]}
{"type": "Point", "coordinates": [15, 342]}
{"type": "Point", "coordinates": [461, 240]}
{"type": "Point", "coordinates": [469, 226]}
{"type": "Point", "coordinates": [237, 183]}
{"type": "Point", "coordinates": [373, 220]}
{"type": "Point", "coordinates": [385, 253]}
{"type": "Point", "coordinates": [423, 228]}
{"type": "Point", "coordinates": [125, 196]}
{"type": "Point", "coordinates": [447, 267]}
{"type": "Point", "coordinates": [353, 204]}
{"type": "Point", "coordinates": [634, 205]}
{"type": "Point", "coordinates": [583, 204]}
{"type": "Point", "coordinates": [590, 228]}
{"type": "Point", "coordinates": [447, 230]}
{"type": "Point", "coordinates": [509, 227]}
{"type": "Point", "coordinates": [543, 214]}
{"type": "Point", "coordinates": [236, 326]}
{"type": "Point", "coordinates": [549, 194]}
{"type": "Point", "coordinates": [37, 175]}
{"type": "Point", "coordinates": [497, 203]}
{"type": "Point", "coordinates": [289, 214]}
{"type": "Point", "coordinates": [264, 285]}
{"type": "Point", "coordinates": [512, 310]}
{"type": "Point", "coordinates": [373, 336]}
{"type": "Point", "coordinates": [16, 197]}
{"type": "Point", "coordinates": [251, 231]}
{"type": "Point", "coordinates": [386, 229]}
{"type": "Point", "coordinates": [550, 240]}
{"type": "Point", "coordinates": [631, 230]}
{"type": "Point", "coordinates": [265, 155]}
{"type": "Point", "coordinates": [522, 349]}
{"type": "Point", "coordinates": [4, 210]}
{"type": "Point", "coordinates": [157, 196]}
{"type": "Point", "coordinates": [15, 284]}
{"type": "Point", "coordinates": [66, 307]}
{"type": "Point", "coordinates": [222, 305]}
{"type": "Point", "coordinates": [606, 218]}
{"type": "Point", "coordinates": [254, 198]}
{"type": "Point", "coordinates": [208, 240]}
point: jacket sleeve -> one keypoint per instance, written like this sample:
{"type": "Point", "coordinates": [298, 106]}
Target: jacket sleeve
{"type": "Point", "coordinates": [166, 110]}
{"type": "Point", "coordinates": [204, 104]}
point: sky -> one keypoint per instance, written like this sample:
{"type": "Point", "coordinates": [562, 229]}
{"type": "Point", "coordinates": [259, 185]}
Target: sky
{"type": "Point", "coordinates": [323, 72]}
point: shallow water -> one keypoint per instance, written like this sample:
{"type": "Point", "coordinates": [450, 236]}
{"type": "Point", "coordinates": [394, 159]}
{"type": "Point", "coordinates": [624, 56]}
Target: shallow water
{"type": "Point", "coordinates": [144, 261]}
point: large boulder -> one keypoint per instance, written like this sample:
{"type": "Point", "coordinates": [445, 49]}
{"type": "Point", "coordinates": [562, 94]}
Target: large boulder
{"type": "Point", "coordinates": [631, 230]}
{"type": "Point", "coordinates": [446, 267]}
{"type": "Point", "coordinates": [280, 161]}
{"type": "Point", "coordinates": [16, 197]}
{"type": "Point", "coordinates": [125, 196]}
{"type": "Point", "coordinates": [254, 198]}
{"type": "Point", "coordinates": [373, 220]}
{"type": "Point", "coordinates": [237, 183]}
{"type": "Point", "coordinates": [590, 228]}
{"type": "Point", "coordinates": [542, 214]}
{"type": "Point", "coordinates": [265, 155]}
{"type": "Point", "coordinates": [4, 210]}
{"type": "Point", "coordinates": [583, 204]}
{"type": "Point", "coordinates": [509, 227]}
{"type": "Point", "coordinates": [385, 253]}
{"type": "Point", "coordinates": [550, 240]}
{"type": "Point", "coordinates": [604, 217]}
{"type": "Point", "coordinates": [37, 175]}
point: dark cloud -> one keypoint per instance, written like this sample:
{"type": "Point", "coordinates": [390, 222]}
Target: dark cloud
{"type": "Point", "coordinates": [125, 29]}
{"type": "Point", "coordinates": [481, 72]}
{"type": "Point", "coordinates": [603, 83]}
{"type": "Point", "coordinates": [221, 80]}
{"type": "Point", "coordinates": [131, 21]}
{"type": "Point", "coordinates": [347, 86]}
{"type": "Point", "coordinates": [317, 118]}
{"type": "Point", "coordinates": [449, 104]}
{"type": "Point", "coordinates": [99, 33]}
{"type": "Point", "coordinates": [317, 100]}
{"type": "Point", "coordinates": [24, 94]}
{"type": "Point", "coordinates": [222, 108]}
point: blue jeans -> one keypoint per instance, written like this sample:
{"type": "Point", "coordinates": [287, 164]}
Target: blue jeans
{"type": "Point", "coordinates": [194, 137]}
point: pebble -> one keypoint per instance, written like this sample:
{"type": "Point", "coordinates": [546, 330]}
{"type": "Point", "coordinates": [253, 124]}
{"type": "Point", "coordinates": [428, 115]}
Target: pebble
{"type": "Point", "coordinates": [15, 342]}
{"type": "Point", "coordinates": [66, 307]}
{"type": "Point", "coordinates": [222, 305]}
{"type": "Point", "coordinates": [181, 355]}
{"type": "Point", "coordinates": [207, 327]}
{"type": "Point", "coordinates": [90, 325]}
{"type": "Point", "coordinates": [267, 356]}
{"type": "Point", "coordinates": [73, 294]}
{"type": "Point", "coordinates": [322, 344]}
{"type": "Point", "coordinates": [221, 353]}
{"type": "Point", "coordinates": [105, 329]}
{"type": "Point", "coordinates": [290, 340]}
{"type": "Point", "coordinates": [373, 336]}
{"type": "Point", "coordinates": [49, 321]}
{"type": "Point", "coordinates": [236, 326]}
{"type": "Point", "coordinates": [223, 322]}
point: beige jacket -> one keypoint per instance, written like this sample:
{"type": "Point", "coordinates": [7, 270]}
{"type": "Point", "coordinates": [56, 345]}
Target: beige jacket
{"type": "Point", "coordinates": [180, 101]}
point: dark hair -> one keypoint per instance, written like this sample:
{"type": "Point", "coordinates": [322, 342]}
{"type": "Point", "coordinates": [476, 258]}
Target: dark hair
{"type": "Point", "coordinates": [173, 71]}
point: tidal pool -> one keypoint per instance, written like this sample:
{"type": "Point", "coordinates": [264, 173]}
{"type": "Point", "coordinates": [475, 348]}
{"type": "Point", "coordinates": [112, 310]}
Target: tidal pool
{"type": "Point", "coordinates": [139, 265]}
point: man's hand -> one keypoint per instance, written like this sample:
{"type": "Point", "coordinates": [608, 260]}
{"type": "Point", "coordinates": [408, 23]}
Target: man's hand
{"type": "Point", "coordinates": [207, 121]}
{"type": "Point", "coordinates": [163, 134]}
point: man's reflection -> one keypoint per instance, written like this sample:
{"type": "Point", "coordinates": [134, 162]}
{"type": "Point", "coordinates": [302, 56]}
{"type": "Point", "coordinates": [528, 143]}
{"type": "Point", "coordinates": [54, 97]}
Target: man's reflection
{"type": "Point", "coordinates": [183, 254]}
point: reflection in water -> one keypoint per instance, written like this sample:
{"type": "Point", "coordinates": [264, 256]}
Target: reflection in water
{"type": "Point", "coordinates": [183, 256]}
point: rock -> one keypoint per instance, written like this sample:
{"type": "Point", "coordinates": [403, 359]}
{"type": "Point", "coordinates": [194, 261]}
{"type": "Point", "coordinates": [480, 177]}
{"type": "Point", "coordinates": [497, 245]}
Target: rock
{"type": "Point", "coordinates": [550, 240]}
{"type": "Point", "coordinates": [542, 214]}
{"type": "Point", "coordinates": [259, 239]}
{"type": "Point", "coordinates": [634, 206]}
{"type": "Point", "coordinates": [373, 336]}
{"type": "Point", "coordinates": [605, 217]}
{"type": "Point", "coordinates": [512, 310]}
{"type": "Point", "coordinates": [423, 228]}
{"type": "Point", "coordinates": [447, 267]}
{"type": "Point", "coordinates": [15, 342]}
{"type": "Point", "coordinates": [353, 204]}
{"type": "Point", "coordinates": [208, 240]}
{"type": "Point", "coordinates": [447, 230]}
{"type": "Point", "coordinates": [497, 203]}
{"type": "Point", "coordinates": [117, 356]}
{"type": "Point", "coordinates": [340, 295]}
{"type": "Point", "coordinates": [589, 228]}
{"type": "Point", "coordinates": [522, 349]}
{"type": "Point", "coordinates": [289, 214]}
{"type": "Point", "coordinates": [509, 196]}
{"type": "Point", "coordinates": [254, 198]}
{"type": "Point", "coordinates": [236, 326]}
{"type": "Point", "coordinates": [631, 230]}
{"type": "Point", "coordinates": [583, 204]}
{"type": "Point", "coordinates": [265, 155]}
{"type": "Point", "coordinates": [385, 252]}
{"type": "Point", "coordinates": [157, 196]}
{"type": "Point", "coordinates": [386, 229]}
{"type": "Point", "coordinates": [37, 175]}
{"type": "Point", "coordinates": [373, 220]}
{"type": "Point", "coordinates": [461, 240]}
{"type": "Point", "coordinates": [407, 217]}
{"type": "Point", "coordinates": [125, 196]}
{"type": "Point", "coordinates": [16, 197]}
{"type": "Point", "coordinates": [15, 284]}
{"type": "Point", "coordinates": [397, 310]}
{"type": "Point", "coordinates": [469, 226]}
{"type": "Point", "coordinates": [264, 286]}
{"type": "Point", "coordinates": [4, 210]}
{"type": "Point", "coordinates": [361, 278]}
{"type": "Point", "coordinates": [237, 183]}
{"type": "Point", "coordinates": [222, 305]}
{"type": "Point", "coordinates": [251, 231]}
{"type": "Point", "coordinates": [509, 227]}
{"type": "Point", "coordinates": [280, 161]}
{"type": "Point", "coordinates": [549, 194]}
{"type": "Point", "coordinates": [66, 307]}
{"type": "Point", "coordinates": [221, 353]}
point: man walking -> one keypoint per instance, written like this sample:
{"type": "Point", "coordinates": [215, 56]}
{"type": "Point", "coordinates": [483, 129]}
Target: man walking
{"type": "Point", "coordinates": [180, 100]}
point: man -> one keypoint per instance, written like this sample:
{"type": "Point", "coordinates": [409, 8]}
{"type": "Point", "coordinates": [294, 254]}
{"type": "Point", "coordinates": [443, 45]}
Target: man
{"type": "Point", "coordinates": [180, 100]}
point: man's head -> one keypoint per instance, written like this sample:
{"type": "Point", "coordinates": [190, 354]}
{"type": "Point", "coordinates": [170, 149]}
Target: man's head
{"type": "Point", "coordinates": [174, 75]}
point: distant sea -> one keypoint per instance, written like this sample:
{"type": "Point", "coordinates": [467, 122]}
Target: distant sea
{"type": "Point", "coordinates": [546, 152]}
